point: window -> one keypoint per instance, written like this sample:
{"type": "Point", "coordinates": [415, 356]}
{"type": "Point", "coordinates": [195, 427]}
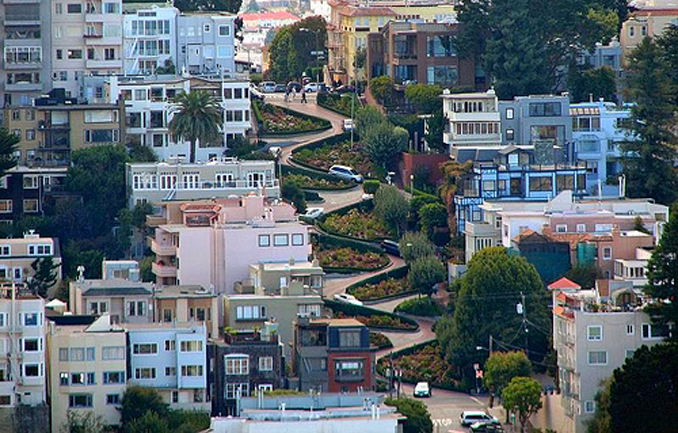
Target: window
{"type": "Point", "coordinates": [40, 250]}
{"type": "Point", "coordinates": [510, 134]}
{"type": "Point", "coordinates": [191, 370]}
{"type": "Point", "coordinates": [595, 333]}
{"type": "Point", "coordinates": [264, 241]}
{"type": "Point", "coordinates": [80, 400]}
{"type": "Point", "coordinates": [111, 377]}
{"type": "Point", "coordinates": [109, 353]}
{"type": "Point", "coordinates": [310, 309]}
{"type": "Point", "coordinates": [281, 240]}
{"type": "Point", "coordinates": [349, 338]}
{"type": "Point", "coordinates": [30, 205]}
{"type": "Point", "coordinates": [224, 30]}
{"type": "Point", "coordinates": [654, 332]}
{"type": "Point", "coordinates": [32, 344]}
{"type": "Point", "coordinates": [234, 390]}
{"type": "Point", "coordinates": [31, 319]}
{"type": "Point", "coordinates": [191, 346]}
{"type": "Point", "coordinates": [74, 54]}
{"type": "Point", "coordinates": [589, 406]}
{"type": "Point", "coordinates": [581, 228]}
{"type": "Point", "coordinates": [629, 353]}
{"type": "Point", "coordinates": [266, 363]}
{"type": "Point", "coordinates": [630, 330]}
{"type": "Point", "coordinates": [145, 348]}
{"type": "Point", "coordinates": [349, 368]}
{"type": "Point", "coordinates": [144, 373]}
{"type": "Point", "coordinates": [607, 253]}
{"type": "Point", "coordinates": [5, 206]}
{"type": "Point", "coordinates": [98, 307]}
{"type": "Point", "coordinates": [63, 354]}
{"type": "Point", "coordinates": [598, 357]}
{"type": "Point", "coordinates": [245, 312]}
{"type": "Point", "coordinates": [136, 308]}
{"type": "Point", "coordinates": [541, 184]}
{"type": "Point", "coordinates": [545, 109]}
{"type": "Point", "coordinates": [5, 250]}
{"type": "Point", "coordinates": [509, 113]}
{"type": "Point", "coordinates": [30, 134]}
{"type": "Point", "coordinates": [170, 345]}
{"type": "Point", "coordinates": [74, 8]}
{"type": "Point", "coordinates": [440, 46]}
{"type": "Point", "coordinates": [63, 379]}
{"type": "Point", "coordinates": [206, 28]}
{"type": "Point", "coordinates": [561, 228]}
{"type": "Point", "coordinates": [113, 399]}
{"type": "Point", "coordinates": [91, 379]}
{"type": "Point", "coordinates": [237, 365]}
{"type": "Point", "coordinates": [32, 370]}
{"type": "Point", "coordinates": [170, 371]}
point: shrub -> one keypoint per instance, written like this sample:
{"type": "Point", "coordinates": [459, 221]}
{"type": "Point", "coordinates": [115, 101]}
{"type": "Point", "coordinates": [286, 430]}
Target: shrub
{"type": "Point", "coordinates": [380, 340]}
{"type": "Point", "coordinates": [382, 289]}
{"type": "Point", "coordinates": [279, 120]}
{"type": "Point", "coordinates": [357, 224]}
{"type": "Point", "coordinates": [371, 186]}
{"type": "Point", "coordinates": [421, 307]}
{"type": "Point", "coordinates": [349, 258]}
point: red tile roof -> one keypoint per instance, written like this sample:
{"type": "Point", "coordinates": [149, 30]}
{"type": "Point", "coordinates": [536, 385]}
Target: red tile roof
{"type": "Point", "coordinates": [279, 15]}
{"type": "Point", "coordinates": [379, 11]}
{"type": "Point", "coordinates": [564, 283]}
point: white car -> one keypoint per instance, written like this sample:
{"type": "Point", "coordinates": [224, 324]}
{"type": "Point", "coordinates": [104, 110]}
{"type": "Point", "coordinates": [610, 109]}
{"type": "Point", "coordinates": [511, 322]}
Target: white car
{"type": "Point", "coordinates": [314, 212]}
{"type": "Point", "coordinates": [345, 297]}
{"type": "Point", "coordinates": [348, 125]}
{"type": "Point", "coordinates": [312, 87]}
{"type": "Point", "coordinates": [422, 390]}
{"type": "Point", "coordinates": [469, 417]}
{"type": "Point", "coordinates": [346, 173]}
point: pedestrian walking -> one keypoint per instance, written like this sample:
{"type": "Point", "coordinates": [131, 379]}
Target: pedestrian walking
{"type": "Point", "coordinates": [287, 94]}
{"type": "Point", "coordinates": [294, 93]}
{"type": "Point", "coordinates": [303, 96]}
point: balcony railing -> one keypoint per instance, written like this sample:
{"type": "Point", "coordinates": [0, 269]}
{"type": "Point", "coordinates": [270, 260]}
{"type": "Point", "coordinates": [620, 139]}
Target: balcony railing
{"type": "Point", "coordinates": [164, 271]}
{"type": "Point", "coordinates": [163, 249]}
{"type": "Point", "coordinates": [272, 183]}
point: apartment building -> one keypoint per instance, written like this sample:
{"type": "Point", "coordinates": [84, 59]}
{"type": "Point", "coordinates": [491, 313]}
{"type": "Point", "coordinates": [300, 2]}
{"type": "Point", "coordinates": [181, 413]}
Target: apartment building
{"type": "Point", "coordinates": [418, 52]}
{"type": "Point", "coordinates": [243, 364]}
{"type": "Point", "coordinates": [22, 358]}
{"type": "Point", "coordinates": [594, 331]}
{"type": "Point", "coordinates": [598, 129]}
{"type": "Point", "coordinates": [24, 32]}
{"type": "Point", "coordinates": [173, 182]}
{"type": "Point", "coordinates": [17, 256]}
{"type": "Point", "coordinates": [647, 20]}
{"type": "Point", "coordinates": [206, 42]}
{"type": "Point", "coordinates": [24, 191]}
{"type": "Point", "coordinates": [149, 109]}
{"type": "Point", "coordinates": [123, 301]}
{"type": "Point", "coordinates": [188, 304]}
{"type": "Point", "coordinates": [172, 359]}
{"type": "Point", "coordinates": [150, 40]}
{"type": "Point", "coordinates": [473, 120]}
{"type": "Point", "coordinates": [333, 355]}
{"type": "Point", "coordinates": [541, 121]}
{"type": "Point", "coordinates": [56, 125]}
{"type": "Point", "coordinates": [120, 269]}
{"type": "Point", "coordinates": [501, 221]}
{"type": "Point", "coordinates": [87, 369]}
{"type": "Point", "coordinates": [86, 40]}
{"type": "Point", "coordinates": [212, 244]}
{"type": "Point", "coordinates": [278, 293]}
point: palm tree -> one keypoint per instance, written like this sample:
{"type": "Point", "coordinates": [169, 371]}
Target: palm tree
{"type": "Point", "coordinates": [453, 174]}
{"type": "Point", "coordinates": [8, 143]}
{"type": "Point", "coordinates": [197, 117]}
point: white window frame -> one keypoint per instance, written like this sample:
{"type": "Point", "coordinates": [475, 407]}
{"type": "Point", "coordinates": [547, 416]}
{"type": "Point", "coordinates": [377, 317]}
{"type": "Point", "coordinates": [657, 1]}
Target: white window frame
{"type": "Point", "coordinates": [607, 253]}
{"type": "Point", "coordinates": [267, 242]}
{"type": "Point", "coordinates": [589, 406]}
{"type": "Point", "coordinates": [9, 206]}
{"type": "Point", "coordinates": [151, 370]}
{"type": "Point", "coordinates": [630, 329]}
{"type": "Point", "coordinates": [265, 363]}
{"type": "Point", "coordinates": [236, 364]}
{"type": "Point", "coordinates": [278, 240]}
{"type": "Point", "coordinates": [510, 113]}
{"type": "Point", "coordinates": [594, 338]}
{"type": "Point", "coordinates": [135, 348]}
{"type": "Point", "coordinates": [589, 353]}
{"type": "Point", "coordinates": [561, 228]}
{"type": "Point", "coordinates": [581, 228]}
{"type": "Point", "coordinates": [297, 239]}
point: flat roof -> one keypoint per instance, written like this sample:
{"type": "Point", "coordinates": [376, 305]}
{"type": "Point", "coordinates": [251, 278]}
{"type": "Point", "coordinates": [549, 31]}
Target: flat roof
{"type": "Point", "coordinates": [348, 322]}
{"type": "Point", "coordinates": [184, 291]}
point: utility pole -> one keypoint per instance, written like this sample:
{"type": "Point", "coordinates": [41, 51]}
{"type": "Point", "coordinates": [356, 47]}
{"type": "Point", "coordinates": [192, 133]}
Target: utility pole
{"type": "Point", "coordinates": [523, 310]}
{"type": "Point", "coordinates": [490, 345]}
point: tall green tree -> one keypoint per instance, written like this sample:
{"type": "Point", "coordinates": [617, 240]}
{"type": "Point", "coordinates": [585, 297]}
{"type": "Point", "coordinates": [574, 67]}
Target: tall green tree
{"type": "Point", "coordinates": [425, 272]}
{"type": "Point", "coordinates": [232, 6]}
{"type": "Point", "coordinates": [197, 116]}
{"type": "Point", "coordinates": [644, 391]}
{"type": "Point", "coordinates": [418, 417]}
{"type": "Point", "coordinates": [384, 142]}
{"type": "Point", "coordinates": [83, 422]}
{"type": "Point", "coordinates": [502, 367]}
{"type": "Point", "coordinates": [293, 192]}
{"type": "Point", "coordinates": [648, 157]}
{"type": "Point", "coordinates": [662, 275]}
{"type": "Point", "coordinates": [602, 421]}
{"type": "Point", "coordinates": [291, 50]}
{"type": "Point", "coordinates": [486, 305]}
{"type": "Point", "coordinates": [431, 216]}
{"type": "Point", "coordinates": [433, 134]}
{"type": "Point", "coordinates": [414, 245]}
{"type": "Point", "coordinates": [367, 118]}
{"type": "Point", "coordinates": [8, 144]}
{"type": "Point", "coordinates": [391, 205]}
{"type": "Point", "coordinates": [668, 42]}
{"type": "Point", "coordinates": [523, 396]}
{"type": "Point", "coordinates": [137, 401]}
{"type": "Point", "coordinates": [592, 83]}
{"type": "Point", "coordinates": [382, 89]}
{"type": "Point", "coordinates": [425, 97]}
{"type": "Point", "coordinates": [44, 276]}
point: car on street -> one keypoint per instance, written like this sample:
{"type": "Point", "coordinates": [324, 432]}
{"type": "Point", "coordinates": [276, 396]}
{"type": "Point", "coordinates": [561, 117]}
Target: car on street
{"type": "Point", "coordinates": [314, 212]}
{"type": "Point", "coordinates": [391, 247]}
{"type": "Point", "coordinates": [343, 89]}
{"type": "Point", "coordinates": [279, 88]}
{"type": "Point", "coordinates": [470, 417]}
{"type": "Point", "coordinates": [267, 87]}
{"type": "Point", "coordinates": [345, 172]}
{"type": "Point", "coordinates": [312, 87]}
{"type": "Point", "coordinates": [486, 427]}
{"type": "Point", "coordinates": [422, 390]}
{"type": "Point", "coordinates": [294, 85]}
{"type": "Point", "coordinates": [348, 125]}
{"type": "Point", "coordinates": [346, 298]}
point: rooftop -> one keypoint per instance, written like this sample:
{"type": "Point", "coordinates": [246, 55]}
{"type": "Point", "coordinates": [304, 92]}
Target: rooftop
{"type": "Point", "coordinates": [185, 291]}
{"type": "Point", "coordinates": [269, 15]}
{"type": "Point", "coordinates": [337, 322]}
{"type": "Point", "coordinates": [114, 287]}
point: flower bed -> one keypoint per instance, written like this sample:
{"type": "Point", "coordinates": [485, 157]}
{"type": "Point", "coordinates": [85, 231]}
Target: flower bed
{"type": "Point", "coordinates": [378, 321]}
{"type": "Point", "coordinates": [424, 363]}
{"type": "Point", "coordinates": [357, 224]}
{"type": "Point", "coordinates": [421, 307]}
{"type": "Point", "coordinates": [382, 289]}
{"type": "Point", "coordinates": [276, 120]}
{"type": "Point", "coordinates": [371, 317]}
{"type": "Point", "coordinates": [327, 154]}
{"type": "Point", "coordinates": [337, 257]}
{"type": "Point", "coordinates": [309, 182]}
{"type": "Point", "coordinates": [380, 340]}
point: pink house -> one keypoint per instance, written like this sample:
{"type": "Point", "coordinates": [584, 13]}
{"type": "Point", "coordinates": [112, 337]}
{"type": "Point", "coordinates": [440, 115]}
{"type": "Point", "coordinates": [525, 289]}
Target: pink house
{"type": "Point", "coordinates": [212, 243]}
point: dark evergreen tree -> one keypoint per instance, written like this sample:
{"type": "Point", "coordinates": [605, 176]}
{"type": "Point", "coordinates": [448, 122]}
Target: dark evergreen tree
{"type": "Point", "coordinates": [592, 83]}
{"type": "Point", "coordinates": [44, 276]}
{"type": "Point", "coordinates": [8, 143]}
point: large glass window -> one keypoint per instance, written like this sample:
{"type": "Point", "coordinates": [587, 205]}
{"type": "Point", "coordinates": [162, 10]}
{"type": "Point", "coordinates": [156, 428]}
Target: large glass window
{"type": "Point", "coordinates": [442, 75]}
{"type": "Point", "coordinates": [349, 338]}
{"type": "Point", "coordinates": [440, 46]}
{"type": "Point", "coordinates": [552, 133]}
{"type": "Point", "coordinates": [237, 365]}
{"type": "Point", "coordinates": [545, 109]}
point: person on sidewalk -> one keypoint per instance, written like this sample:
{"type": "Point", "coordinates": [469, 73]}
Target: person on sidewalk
{"type": "Point", "coordinates": [303, 96]}
{"type": "Point", "coordinates": [287, 94]}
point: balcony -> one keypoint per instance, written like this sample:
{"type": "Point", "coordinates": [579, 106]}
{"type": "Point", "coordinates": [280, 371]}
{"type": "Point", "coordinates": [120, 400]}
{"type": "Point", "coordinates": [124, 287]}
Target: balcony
{"type": "Point", "coordinates": [22, 20]}
{"type": "Point", "coordinates": [103, 64]}
{"type": "Point", "coordinates": [164, 271]}
{"type": "Point", "coordinates": [29, 65]}
{"type": "Point", "coordinates": [162, 249]}
{"type": "Point", "coordinates": [154, 221]}
{"type": "Point", "coordinates": [20, 2]}
{"type": "Point", "coordinates": [23, 87]}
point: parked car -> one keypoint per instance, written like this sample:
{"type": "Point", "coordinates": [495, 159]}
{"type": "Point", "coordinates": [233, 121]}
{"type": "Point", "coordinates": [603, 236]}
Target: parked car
{"type": "Point", "coordinates": [279, 88]}
{"type": "Point", "coordinates": [469, 417]}
{"type": "Point", "coordinates": [349, 299]}
{"type": "Point", "coordinates": [256, 94]}
{"type": "Point", "coordinates": [346, 173]}
{"type": "Point", "coordinates": [422, 390]}
{"type": "Point", "coordinates": [294, 85]}
{"type": "Point", "coordinates": [344, 89]}
{"type": "Point", "coordinates": [486, 427]}
{"type": "Point", "coordinates": [391, 247]}
{"type": "Point", "coordinates": [267, 87]}
{"type": "Point", "coordinates": [313, 87]}
{"type": "Point", "coordinates": [314, 212]}
{"type": "Point", "coordinates": [348, 125]}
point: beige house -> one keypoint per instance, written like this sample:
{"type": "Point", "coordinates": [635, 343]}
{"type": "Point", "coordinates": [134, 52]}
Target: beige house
{"type": "Point", "coordinates": [87, 370]}
{"type": "Point", "coordinates": [125, 301]}
{"type": "Point", "coordinates": [188, 304]}
{"type": "Point", "coordinates": [17, 255]}
{"type": "Point", "coordinates": [276, 292]}
{"type": "Point", "coordinates": [649, 20]}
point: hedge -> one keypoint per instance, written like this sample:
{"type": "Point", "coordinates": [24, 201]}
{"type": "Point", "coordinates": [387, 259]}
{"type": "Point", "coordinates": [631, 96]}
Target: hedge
{"type": "Point", "coordinates": [322, 97]}
{"type": "Point", "coordinates": [361, 247]}
{"type": "Point", "coordinates": [396, 273]}
{"type": "Point", "coordinates": [364, 206]}
{"type": "Point", "coordinates": [316, 144]}
{"type": "Point", "coordinates": [326, 124]}
{"type": "Point", "coordinates": [358, 310]}
{"type": "Point", "coordinates": [287, 169]}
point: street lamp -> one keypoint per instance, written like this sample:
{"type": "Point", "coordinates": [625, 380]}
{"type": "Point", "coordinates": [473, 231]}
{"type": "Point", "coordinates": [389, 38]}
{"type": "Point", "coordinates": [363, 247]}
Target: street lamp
{"type": "Point", "coordinates": [317, 52]}
{"type": "Point", "coordinates": [412, 185]}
